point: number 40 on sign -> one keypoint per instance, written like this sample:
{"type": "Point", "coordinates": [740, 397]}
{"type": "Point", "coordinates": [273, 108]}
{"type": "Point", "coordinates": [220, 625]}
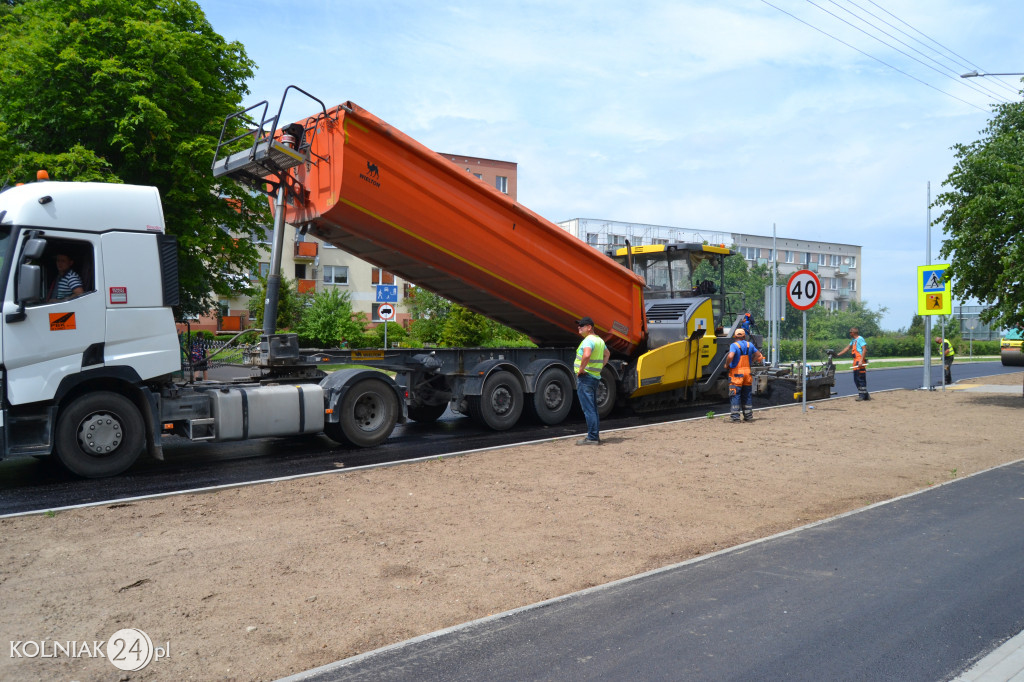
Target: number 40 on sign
{"type": "Point", "coordinates": [803, 289]}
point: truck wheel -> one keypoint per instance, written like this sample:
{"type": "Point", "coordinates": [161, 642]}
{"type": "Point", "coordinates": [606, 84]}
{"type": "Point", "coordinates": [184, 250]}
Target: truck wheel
{"type": "Point", "coordinates": [607, 391]}
{"type": "Point", "coordinates": [427, 413]}
{"type": "Point", "coordinates": [368, 414]}
{"type": "Point", "coordinates": [553, 398]}
{"type": "Point", "coordinates": [501, 403]}
{"type": "Point", "coordinates": [99, 434]}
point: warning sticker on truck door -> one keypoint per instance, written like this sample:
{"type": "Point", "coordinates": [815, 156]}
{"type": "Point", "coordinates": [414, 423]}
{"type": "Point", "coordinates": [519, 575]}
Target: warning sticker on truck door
{"type": "Point", "coordinates": [62, 322]}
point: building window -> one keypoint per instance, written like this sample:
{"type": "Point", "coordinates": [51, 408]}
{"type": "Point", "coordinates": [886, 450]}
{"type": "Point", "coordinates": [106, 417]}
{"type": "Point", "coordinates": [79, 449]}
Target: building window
{"type": "Point", "coordinates": [262, 270]}
{"type": "Point", "coordinates": [378, 276]}
{"type": "Point", "coordinates": [335, 274]}
{"type": "Point", "coordinates": [618, 240]}
{"type": "Point", "coordinates": [592, 238]}
{"type": "Point", "coordinates": [851, 261]}
{"type": "Point", "coordinates": [478, 176]}
{"type": "Point", "coordinates": [790, 256]}
{"type": "Point", "coordinates": [501, 182]}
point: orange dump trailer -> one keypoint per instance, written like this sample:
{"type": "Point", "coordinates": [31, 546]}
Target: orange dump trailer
{"type": "Point", "coordinates": [384, 197]}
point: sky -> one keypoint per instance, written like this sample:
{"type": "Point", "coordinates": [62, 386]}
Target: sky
{"type": "Point", "coordinates": [709, 115]}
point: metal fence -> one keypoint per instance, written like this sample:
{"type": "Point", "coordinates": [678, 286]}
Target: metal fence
{"type": "Point", "coordinates": [200, 353]}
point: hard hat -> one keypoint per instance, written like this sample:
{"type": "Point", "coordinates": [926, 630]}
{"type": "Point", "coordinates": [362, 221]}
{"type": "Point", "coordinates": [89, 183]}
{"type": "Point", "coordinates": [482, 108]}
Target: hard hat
{"type": "Point", "coordinates": [740, 334]}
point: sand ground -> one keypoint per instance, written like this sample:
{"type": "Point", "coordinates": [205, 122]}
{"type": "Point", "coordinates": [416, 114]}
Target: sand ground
{"type": "Point", "coordinates": [259, 582]}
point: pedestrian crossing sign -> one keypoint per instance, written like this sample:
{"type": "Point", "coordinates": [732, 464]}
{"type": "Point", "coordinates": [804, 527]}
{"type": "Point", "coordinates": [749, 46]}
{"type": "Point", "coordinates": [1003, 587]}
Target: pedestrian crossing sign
{"type": "Point", "coordinates": [933, 292]}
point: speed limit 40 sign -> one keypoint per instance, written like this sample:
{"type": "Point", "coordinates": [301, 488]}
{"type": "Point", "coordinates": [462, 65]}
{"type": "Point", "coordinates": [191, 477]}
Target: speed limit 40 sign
{"type": "Point", "coordinates": [803, 289]}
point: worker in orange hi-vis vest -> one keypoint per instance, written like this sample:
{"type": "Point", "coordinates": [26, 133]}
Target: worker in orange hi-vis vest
{"type": "Point", "coordinates": [860, 363]}
{"type": "Point", "coordinates": [742, 356]}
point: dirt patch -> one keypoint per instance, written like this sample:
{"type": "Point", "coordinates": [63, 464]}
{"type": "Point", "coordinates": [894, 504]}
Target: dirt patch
{"type": "Point", "coordinates": [263, 581]}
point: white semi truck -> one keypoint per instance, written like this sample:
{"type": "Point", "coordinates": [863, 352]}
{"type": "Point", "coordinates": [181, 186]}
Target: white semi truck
{"type": "Point", "coordinates": [90, 378]}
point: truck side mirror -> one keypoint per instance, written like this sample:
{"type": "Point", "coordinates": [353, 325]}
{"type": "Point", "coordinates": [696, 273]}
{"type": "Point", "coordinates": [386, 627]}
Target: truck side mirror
{"type": "Point", "coordinates": [33, 249]}
{"type": "Point", "coordinates": [30, 282]}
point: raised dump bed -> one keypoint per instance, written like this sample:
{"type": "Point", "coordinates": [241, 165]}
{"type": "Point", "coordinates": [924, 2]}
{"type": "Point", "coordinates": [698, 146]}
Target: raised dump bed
{"type": "Point", "coordinates": [382, 196]}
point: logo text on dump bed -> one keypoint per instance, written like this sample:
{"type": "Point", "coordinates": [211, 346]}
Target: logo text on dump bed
{"type": "Point", "coordinates": [372, 174]}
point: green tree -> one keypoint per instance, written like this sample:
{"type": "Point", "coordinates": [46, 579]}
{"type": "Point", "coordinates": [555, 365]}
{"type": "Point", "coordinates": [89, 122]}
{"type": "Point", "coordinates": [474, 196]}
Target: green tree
{"type": "Point", "coordinates": [464, 328]}
{"type": "Point", "coordinates": [428, 312]}
{"type": "Point", "coordinates": [291, 305]}
{"type": "Point", "coordinates": [133, 91]}
{"type": "Point", "coordinates": [329, 322]}
{"type": "Point", "coordinates": [836, 324]}
{"type": "Point", "coordinates": [396, 334]}
{"type": "Point", "coordinates": [983, 218]}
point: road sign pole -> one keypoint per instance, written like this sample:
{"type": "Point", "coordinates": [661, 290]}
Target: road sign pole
{"type": "Point", "coordinates": [803, 391]}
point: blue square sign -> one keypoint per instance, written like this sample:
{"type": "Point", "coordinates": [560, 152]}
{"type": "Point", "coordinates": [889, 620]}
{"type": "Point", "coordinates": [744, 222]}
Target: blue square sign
{"type": "Point", "coordinates": [931, 279]}
{"type": "Point", "coordinates": [387, 293]}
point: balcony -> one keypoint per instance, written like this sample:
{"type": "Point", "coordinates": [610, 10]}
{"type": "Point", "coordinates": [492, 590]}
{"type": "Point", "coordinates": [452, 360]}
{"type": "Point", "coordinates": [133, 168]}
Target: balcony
{"type": "Point", "coordinates": [305, 286]}
{"type": "Point", "coordinates": [305, 252]}
{"type": "Point", "coordinates": [813, 267]}
{"type": "Point", "coordinates": [843, 270]}
{"type": "Point", "coordinates": [844, 292]}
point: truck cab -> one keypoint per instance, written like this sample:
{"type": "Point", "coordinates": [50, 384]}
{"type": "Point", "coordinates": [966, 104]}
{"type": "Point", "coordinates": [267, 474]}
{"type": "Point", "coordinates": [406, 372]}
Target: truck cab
{"type": "Point", "coordinates": [86, 357]}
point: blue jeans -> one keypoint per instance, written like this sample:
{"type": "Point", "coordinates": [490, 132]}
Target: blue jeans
{"type": "Point", "coordinates": [586, 388]}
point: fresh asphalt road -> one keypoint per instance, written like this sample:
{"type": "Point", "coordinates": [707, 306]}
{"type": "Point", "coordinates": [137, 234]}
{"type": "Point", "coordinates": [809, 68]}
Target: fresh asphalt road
{"type": "Point", "coordinates": [915, 589]}
{"type": "Point", "coordinates": [29, 484]}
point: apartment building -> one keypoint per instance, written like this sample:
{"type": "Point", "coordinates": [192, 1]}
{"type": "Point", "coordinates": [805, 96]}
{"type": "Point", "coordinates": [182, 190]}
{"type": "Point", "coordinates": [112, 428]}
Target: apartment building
{"type": "Point", "coordinates": [837, 265]}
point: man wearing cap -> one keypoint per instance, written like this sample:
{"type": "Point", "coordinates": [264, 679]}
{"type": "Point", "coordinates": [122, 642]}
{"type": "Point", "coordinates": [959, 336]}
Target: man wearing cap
{"type": "Point", "coordinates": [948, 354]}
{"type": "Point", "coordinates": [591, 357]}
{"type": "Point", "coordinates": [742, 355]}
{"type": "Point", "coordinates": [860, 363]}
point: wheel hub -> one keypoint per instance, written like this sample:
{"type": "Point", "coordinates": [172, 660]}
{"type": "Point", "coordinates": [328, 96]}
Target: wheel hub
{"type": "Point", "coordinates": [553, 396]}
{"type": "Point", "coordinates": [501, 400]}
{"type": "Point", "coordinates": [100, 434]}
{"type": "Point", "coordinates": [369, 412]}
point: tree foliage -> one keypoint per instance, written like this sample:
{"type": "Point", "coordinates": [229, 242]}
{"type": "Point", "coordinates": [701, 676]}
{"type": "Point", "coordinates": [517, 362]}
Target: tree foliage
{"type": "Point", "coordinates": [428, 312]}
{"type": "Point", "coordinates": [983, 218]}
{"type": "Point", "coordinates": [291, 305]}
{"type": "Point", "coordinates": [329, 322]}
{"type": "Point", "coordinates": [133, 91]}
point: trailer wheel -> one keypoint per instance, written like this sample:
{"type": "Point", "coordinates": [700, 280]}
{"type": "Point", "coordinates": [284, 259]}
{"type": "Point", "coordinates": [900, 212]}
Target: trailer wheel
{"type": "Point", "coordinates": [501, 404]}
{"type": "Point", "coordinates": [553, 398]}
{"type": "Point", "coordinates": [426, 414]}
{"type": "Point", "coordinates": [368, 414]}
{"type": "Point", "coordinates": [99, 434]}
{"type": "Point", "coordinates": [607, 392]}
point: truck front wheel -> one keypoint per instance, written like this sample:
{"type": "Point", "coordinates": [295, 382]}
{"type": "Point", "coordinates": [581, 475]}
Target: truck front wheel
{"type": "Point", "coordinates": [99, 434]}
{"type": "Point", "coordinates": [368, 414]}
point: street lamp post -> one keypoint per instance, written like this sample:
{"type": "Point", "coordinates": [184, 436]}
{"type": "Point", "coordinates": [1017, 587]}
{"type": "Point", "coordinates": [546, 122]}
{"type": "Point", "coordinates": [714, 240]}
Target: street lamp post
{"type": "Point", "coordinates": [975, 74]}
